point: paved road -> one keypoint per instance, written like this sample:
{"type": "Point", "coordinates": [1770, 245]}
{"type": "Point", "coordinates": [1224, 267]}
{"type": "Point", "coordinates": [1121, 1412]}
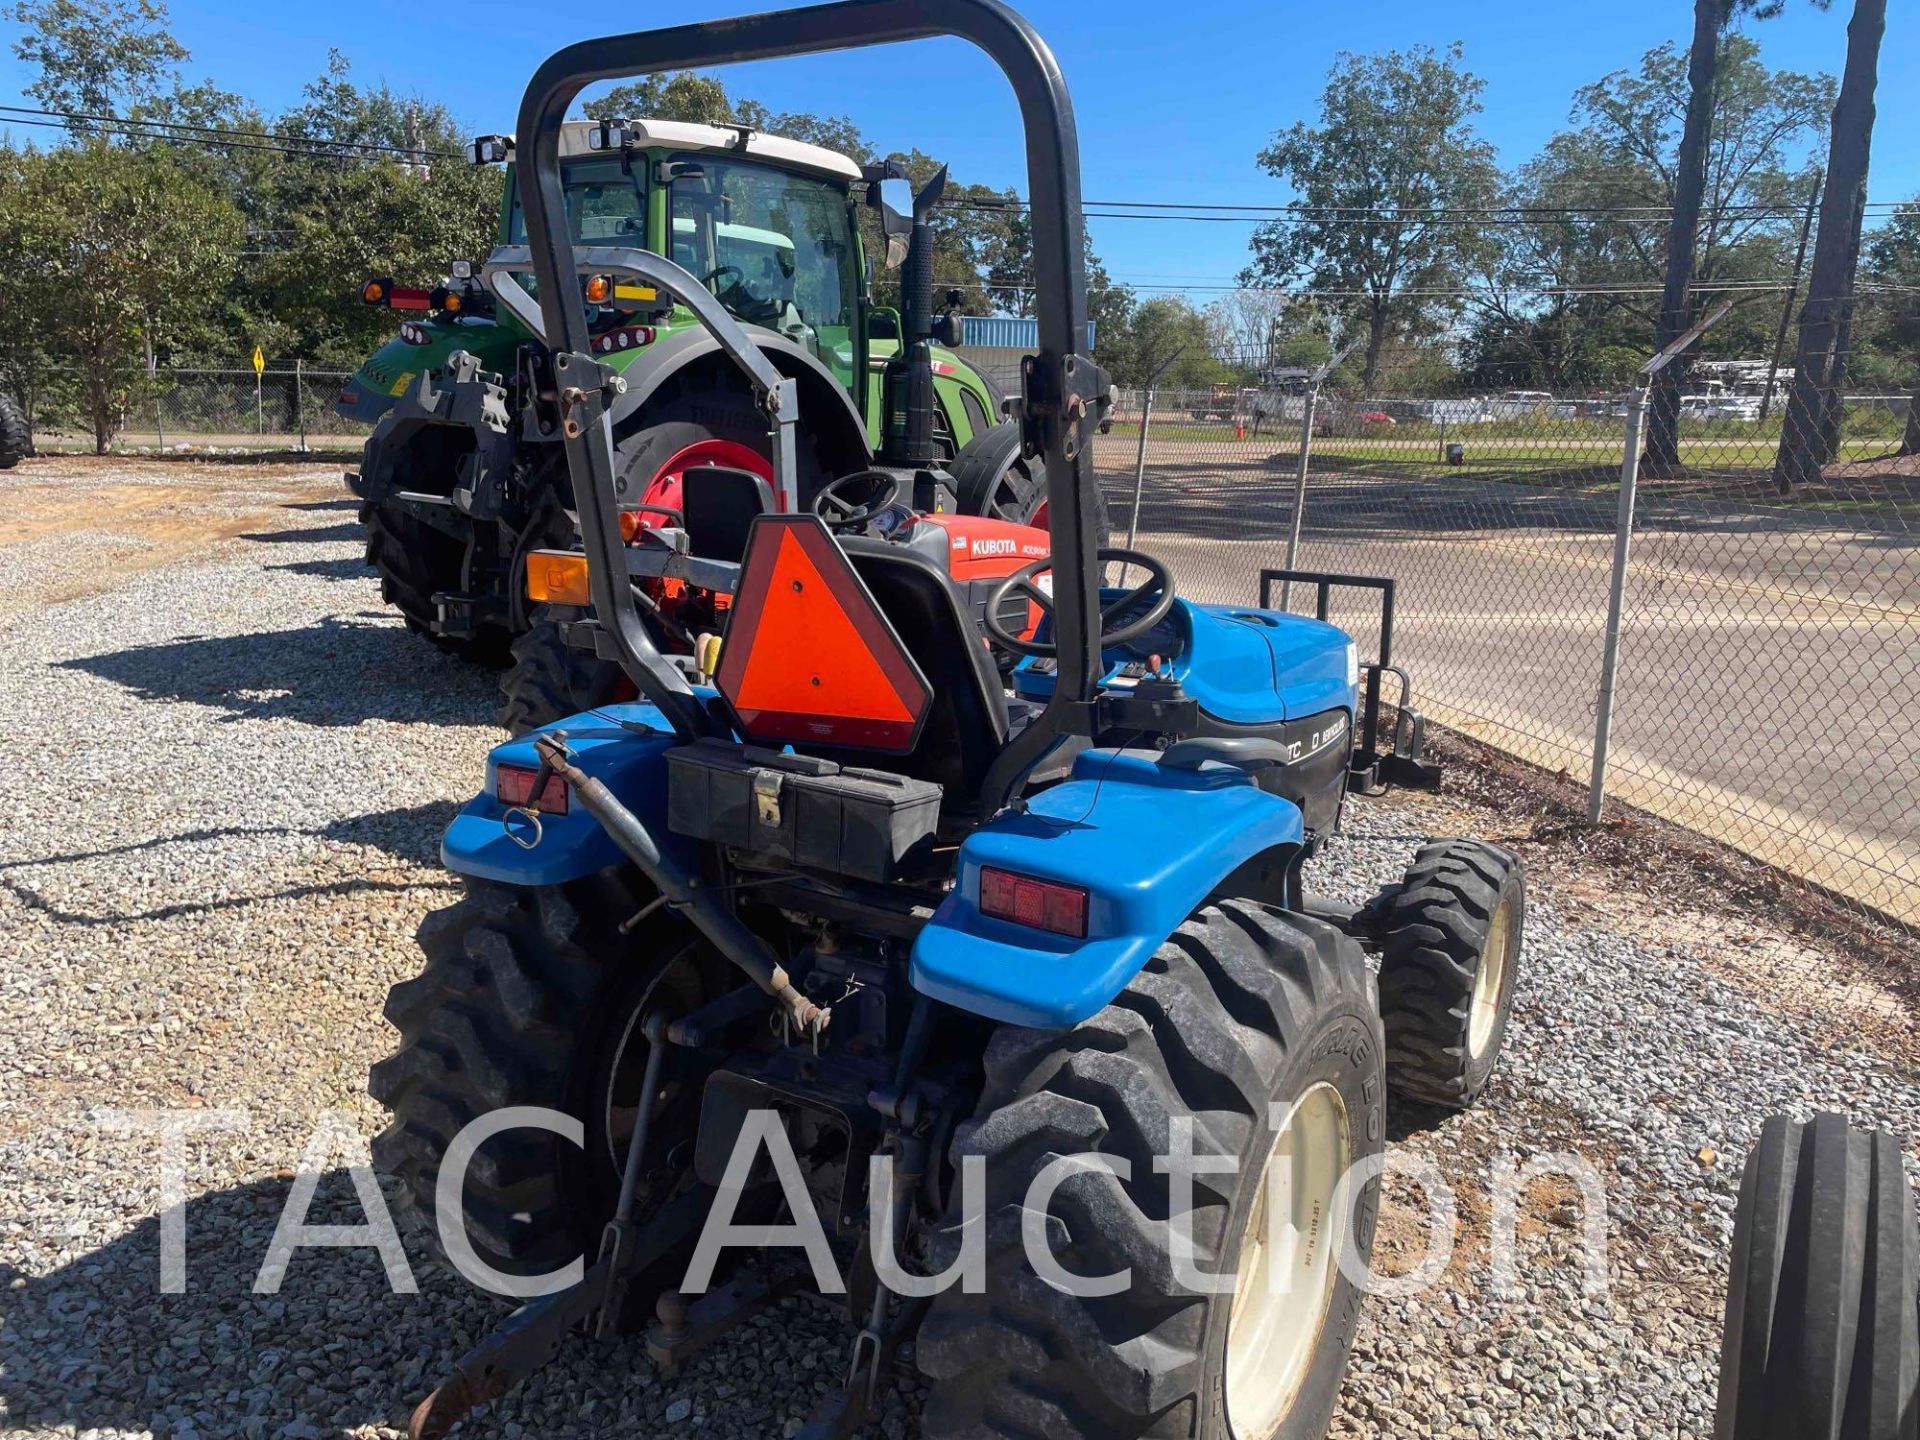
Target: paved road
{"type": "Point", "coordinates": [1771, 658]}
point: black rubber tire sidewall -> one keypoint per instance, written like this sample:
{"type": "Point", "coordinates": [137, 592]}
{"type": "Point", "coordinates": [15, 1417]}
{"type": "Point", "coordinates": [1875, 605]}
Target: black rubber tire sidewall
{"type": "Point", "coordinates": [683, 417]}
{"type": "Point", "coordinates": [1822, 1335]}
{"type": "Point", "coordinates": [16, 434]}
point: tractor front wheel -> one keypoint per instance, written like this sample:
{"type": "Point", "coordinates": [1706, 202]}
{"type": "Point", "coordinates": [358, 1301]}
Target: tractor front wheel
{"type": "Point", "coordinates": [549, 679]}
{"type": "Point", "coordinates": [1449, 937]}
{"type": "Point", "coordinates": [993, 479]}
{"type": "Point", "coordinates": [16, 434]}
{"type": "Point", "coordinates": [1252, 1036]}
{"type": "Point", "coordinates": [530, 998]}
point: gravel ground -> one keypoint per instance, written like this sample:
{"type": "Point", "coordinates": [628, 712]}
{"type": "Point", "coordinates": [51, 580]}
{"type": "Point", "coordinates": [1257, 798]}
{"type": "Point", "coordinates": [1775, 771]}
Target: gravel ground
{"type": "Point", "coordinates": [210, 871]}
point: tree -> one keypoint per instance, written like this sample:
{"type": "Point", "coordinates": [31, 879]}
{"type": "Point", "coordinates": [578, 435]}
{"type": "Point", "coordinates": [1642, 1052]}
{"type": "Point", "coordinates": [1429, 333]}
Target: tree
{"type": "Point", "coordinates": [1678, 308]}
{"type": "Point", "coordinates": [95, 58]}
{"type": "Point", "coordinates": [1562, 307]}
{"type": "Point", "coordinates": [683, 95]}
{"type": "Point", "coordinates": [1165, 331]}
{"type": "Point", "coordinates": [1395, 143]}
{"type": "Point", "coordinates": [1810, 434]}
{"type": "Point", "coordinates": [1893, 330]}
{"type": "Point", "coordinates": [125, 248]}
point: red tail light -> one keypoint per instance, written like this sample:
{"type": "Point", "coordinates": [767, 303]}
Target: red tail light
{"type": "Point", "coordinates": [402, 297]}
{"type": "Point", "coordinates": [513, 785]}
{"type": "Point", "coordinates": [1042, 904]}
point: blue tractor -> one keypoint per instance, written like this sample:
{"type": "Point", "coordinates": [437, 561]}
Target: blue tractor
{"type": "Point", "coordinates": [948, 928]}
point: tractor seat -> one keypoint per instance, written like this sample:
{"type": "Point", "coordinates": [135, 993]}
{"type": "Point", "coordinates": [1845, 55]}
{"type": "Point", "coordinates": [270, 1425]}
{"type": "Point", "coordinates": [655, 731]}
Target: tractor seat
{"type": "Point", "coordinates": [720, 504]}
{"type": "Point", "coordinates": [967, 722]}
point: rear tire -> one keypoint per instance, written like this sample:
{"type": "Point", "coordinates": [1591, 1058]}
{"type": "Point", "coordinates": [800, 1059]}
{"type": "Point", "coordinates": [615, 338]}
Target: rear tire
{"type": "Point", "coordinates": [1449, 936]}
{"type": "Point", "coordinates": [1822, 1340]}
{"type": "Point", "coordinates": [993, 479]}
{"type": "Point", "coordinates": [16, 434]}
{"type": "Point", "coordinates": [528, 997]}
{"type": "Point", "coordinates": [545, 681]}
{"type": "Point", "coordinates": [415, 562]}
{"type": "Point", "coordinates": [1242, 1008]}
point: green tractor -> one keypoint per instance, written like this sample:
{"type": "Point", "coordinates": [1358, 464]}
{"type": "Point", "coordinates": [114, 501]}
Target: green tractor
{"type": "Point", "coordinates": [464, 475]}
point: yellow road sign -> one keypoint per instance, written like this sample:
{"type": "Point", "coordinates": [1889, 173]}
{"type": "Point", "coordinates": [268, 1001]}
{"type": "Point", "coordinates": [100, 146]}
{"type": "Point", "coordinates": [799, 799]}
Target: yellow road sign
{"type": "Point", "coordinates": [259, 362]}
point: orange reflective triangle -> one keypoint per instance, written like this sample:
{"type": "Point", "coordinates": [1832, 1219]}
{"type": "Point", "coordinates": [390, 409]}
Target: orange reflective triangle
{"type": "Point", "coordinates": [808, 657]}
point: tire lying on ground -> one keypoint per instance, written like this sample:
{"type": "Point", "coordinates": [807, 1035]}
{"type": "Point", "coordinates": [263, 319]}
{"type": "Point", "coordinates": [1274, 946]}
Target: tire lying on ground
{"type": "Point", "coordinates": [16, 434]}
{"type": "Point", "coordinates": [1449, 936]}
{"type": "Point", "coordinates": [1261, 1028]}
{"type": "Point", "coordinates": [1822, 1340]}
{"type": "Point", "coordinates": [530, 997]}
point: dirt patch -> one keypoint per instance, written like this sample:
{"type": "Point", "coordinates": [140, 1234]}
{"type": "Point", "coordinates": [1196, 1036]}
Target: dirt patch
{"type": "Point", "coordinates": [1853, 975]}
{"type": "Point", "coordinates": [139, 514]}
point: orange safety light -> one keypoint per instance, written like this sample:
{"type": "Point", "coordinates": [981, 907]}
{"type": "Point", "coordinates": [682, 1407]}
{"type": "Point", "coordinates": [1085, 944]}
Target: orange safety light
{"type": "Point", "coordinates": [599, 289]}
{"type": "Point", "coordinates": [558, 577]}
{"type": "Point", "coordinates": [374, 292]}
{"type": "Point", "coordinates": [808, 658]}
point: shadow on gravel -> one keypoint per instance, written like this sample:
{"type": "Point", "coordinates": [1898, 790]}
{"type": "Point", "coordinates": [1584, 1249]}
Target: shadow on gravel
{"type": "Point", "coordinates": [344, 503]}
{"type": "Point", "coordinates": [95, 1345]}
{"type": "Point", "coordinates": [411, 833]}
{"type": "Point", "coordinates": [310, 535]}
{"type": "Point", "coordinates": [340, 671]}
{"type": "Point", "coordinates": [352, 567]}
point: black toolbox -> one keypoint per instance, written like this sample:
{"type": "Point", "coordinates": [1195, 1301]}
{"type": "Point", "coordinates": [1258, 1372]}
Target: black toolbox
{"type": "Point", "coordinates": [812, 812]}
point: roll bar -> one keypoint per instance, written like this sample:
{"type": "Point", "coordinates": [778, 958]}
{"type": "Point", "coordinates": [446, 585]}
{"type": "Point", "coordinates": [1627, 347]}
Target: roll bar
{"type": "Point", "coordinates": [777, 394]}
{"type": "Point", "coordinates": [1063, 388]}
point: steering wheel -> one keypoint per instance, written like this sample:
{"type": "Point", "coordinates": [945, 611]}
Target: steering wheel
{"type": "Point", "coordinates": [1155, 593]}
{"type": "Point", "coordinates": [842, 513]}
{"type": "Point", "coordinates": [713, 276]}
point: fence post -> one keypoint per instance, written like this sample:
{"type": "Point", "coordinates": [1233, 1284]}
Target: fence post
{"type": "Point", "coordinates": [1140, 466]}
{"type": "Point", "coordinates": [1616, 601]}
{"type": "Point", "coordinates": [300, 400]}
{"type": "Point", "coordinates": [1308, 405]}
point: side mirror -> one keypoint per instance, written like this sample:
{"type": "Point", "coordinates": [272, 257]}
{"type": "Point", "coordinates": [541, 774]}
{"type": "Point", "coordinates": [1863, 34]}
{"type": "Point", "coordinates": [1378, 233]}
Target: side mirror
{"type": "Point", "coordinates": [894, 199]}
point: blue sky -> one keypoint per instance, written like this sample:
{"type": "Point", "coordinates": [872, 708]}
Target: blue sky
{"type": "Point", "coordinates": [1174, 100]}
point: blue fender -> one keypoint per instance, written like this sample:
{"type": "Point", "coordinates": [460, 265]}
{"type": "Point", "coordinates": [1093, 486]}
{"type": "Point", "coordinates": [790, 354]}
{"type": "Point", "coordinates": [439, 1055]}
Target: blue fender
{"type": "Point", "coordinates": [1148, 843]}
{"type": "Point", "coordinates": [624, 747]}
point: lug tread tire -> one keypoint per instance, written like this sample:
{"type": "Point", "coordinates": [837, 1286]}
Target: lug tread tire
{"type": "Point", "coordinates": [510, 980]}
{"type": "Point", "coordinates": [1431, 928]}
{"type": "Point", "coordinates": [1822, 1339]}
{"type": "Point", "coordinates": [1202, 1032]}
{"type": "Point", "coordinates": [414, 563]}
{"type": "Point", "coordinates": [548, 679]}
{"type": "Point", "coordinates": [16, 434]}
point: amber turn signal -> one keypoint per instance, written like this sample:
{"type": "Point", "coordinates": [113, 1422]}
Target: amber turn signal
{"type": "Point", "coordinates": [558, 577]}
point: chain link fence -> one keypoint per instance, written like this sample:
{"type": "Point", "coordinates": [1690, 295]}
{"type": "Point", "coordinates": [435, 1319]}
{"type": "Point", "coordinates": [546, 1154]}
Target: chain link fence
{"type": "Point", "coordinates": [1768, 638]}
{"type": "Point", "coordinates": [285, 407]}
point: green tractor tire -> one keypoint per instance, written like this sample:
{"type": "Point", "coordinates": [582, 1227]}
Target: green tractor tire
{"type": "Point", "coordinates": [16, 434]}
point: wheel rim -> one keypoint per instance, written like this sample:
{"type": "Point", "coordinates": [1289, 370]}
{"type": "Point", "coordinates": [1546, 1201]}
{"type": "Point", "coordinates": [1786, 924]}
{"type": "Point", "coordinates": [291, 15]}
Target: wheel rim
{"type": "Point", "coordinates": [1283, 1287]}
{"type": "Point", "coordinates": [677, 989]}
{"type": "Point", "coordinates": [1490, 981]}
{"type": "Point", "coordinates": [668, 484]}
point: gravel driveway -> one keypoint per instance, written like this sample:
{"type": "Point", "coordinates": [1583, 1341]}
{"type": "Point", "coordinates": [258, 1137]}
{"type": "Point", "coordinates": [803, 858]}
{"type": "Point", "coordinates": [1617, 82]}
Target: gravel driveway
{"type": "Point", "coordinates": [232, 768]}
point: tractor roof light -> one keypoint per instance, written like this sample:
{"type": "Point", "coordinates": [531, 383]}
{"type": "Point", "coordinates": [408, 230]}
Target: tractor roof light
{"type": "Point", "coordinates": [599, 289]}
{"type": "Point", "coordinates": [490, 149]}
{"type": "Point", "coordinates": [1038, 904]}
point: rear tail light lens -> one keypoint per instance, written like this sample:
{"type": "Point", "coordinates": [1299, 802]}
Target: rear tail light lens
{"type": "Point", "coordinates": [1041, 904]}
{"type": "Point", "coordinates": [513, 785]}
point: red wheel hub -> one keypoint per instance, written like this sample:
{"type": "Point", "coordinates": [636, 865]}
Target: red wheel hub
{"type": "Point", "coordinates": [668, 483]}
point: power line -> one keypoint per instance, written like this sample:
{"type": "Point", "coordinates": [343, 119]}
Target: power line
{"type": "Point", "coordinates": [246, 139]}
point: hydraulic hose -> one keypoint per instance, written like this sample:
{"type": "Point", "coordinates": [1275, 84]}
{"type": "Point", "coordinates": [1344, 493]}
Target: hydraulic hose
{"type": "Point", "coordinates": [705, 906]}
